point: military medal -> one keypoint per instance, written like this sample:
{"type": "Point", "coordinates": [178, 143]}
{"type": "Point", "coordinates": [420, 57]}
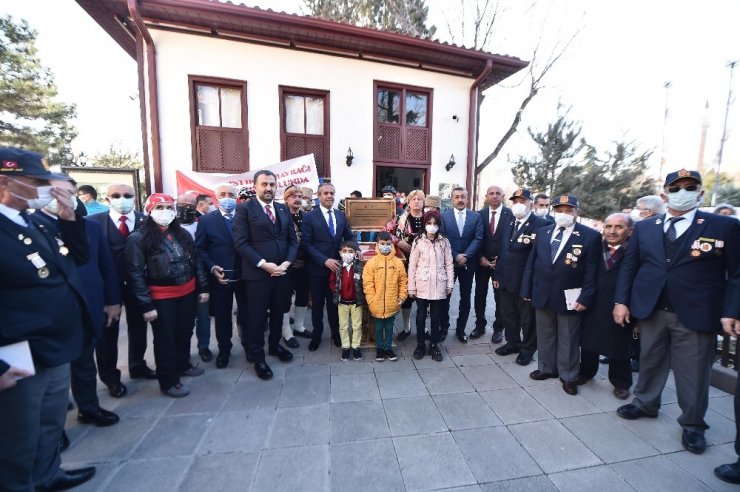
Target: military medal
{"type": "Point", "coordinates": [39, 263]}
{"type": "Point", "coordinates": [706, 247]}
{"type": "Point", "coordinates": [63, 250]}
{"type": "Point", "coordinates": [43, 272]}
{"type": "Point", "coordinates": [695, 252]}
{"type": "Point", "coordinates": [26, 240]}
{"type": "Point", "coordinates": [567, 262]}
{"type": "Point", "coordinates": [576, 251]}
{"type": "Point", "coordinates": [526, 240]}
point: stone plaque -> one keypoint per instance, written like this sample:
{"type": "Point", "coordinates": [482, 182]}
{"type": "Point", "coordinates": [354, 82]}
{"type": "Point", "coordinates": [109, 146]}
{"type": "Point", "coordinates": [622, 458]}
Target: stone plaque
{"type": "Point", "coordinates": [369, 214]}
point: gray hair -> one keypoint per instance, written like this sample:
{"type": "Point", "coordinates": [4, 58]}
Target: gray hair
{"type": "Point", "coordinates": [725, 206]}
{"type": "Point", "coordinates": [654, 203]}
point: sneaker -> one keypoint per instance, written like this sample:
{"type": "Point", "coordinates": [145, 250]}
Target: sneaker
{"type": "Point", "coordinates": [346, 355]}
{"type": "Point", "coordinates": [436, 353]}
{"type": "Point", "coordinates": [192, 372]}
{"type": "Point", "coordinates": [390, 354]}
{"type": "Point", "coordinates": [380, 355]}
{"type": "Point", "coordinates": [177, 391]}
{"type": "Point", "coordinates": [420, 352]}
{"type": "Point", "coordinates": [357, 354]}
{"type": "Point", "coordinates": [403, 335]}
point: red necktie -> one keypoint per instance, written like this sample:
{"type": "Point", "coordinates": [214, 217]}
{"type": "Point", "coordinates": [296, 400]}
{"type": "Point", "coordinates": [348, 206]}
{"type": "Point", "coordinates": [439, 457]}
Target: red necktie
{"type": "Point", "coordinates": [492, 224]}
{"type": "Point", "coordinates": [123, 227]}
{"type": "Point", "coordinates": [268, 211]}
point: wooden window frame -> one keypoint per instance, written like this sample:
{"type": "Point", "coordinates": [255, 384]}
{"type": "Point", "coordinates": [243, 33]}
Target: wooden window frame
{"type": "Point", "coordinates": [194, 80]}
{"type": "Point", "coordinates": [425, 167]}
{"type": "Point", "coordinates": [284, 90]}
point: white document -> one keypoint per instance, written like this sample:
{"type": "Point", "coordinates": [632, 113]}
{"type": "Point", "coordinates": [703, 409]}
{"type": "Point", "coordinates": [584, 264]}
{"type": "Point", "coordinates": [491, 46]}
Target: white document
{"type": "Point", "coordinates": [571, 296]}
{"type": "Point", "coordinates": [18, 355]}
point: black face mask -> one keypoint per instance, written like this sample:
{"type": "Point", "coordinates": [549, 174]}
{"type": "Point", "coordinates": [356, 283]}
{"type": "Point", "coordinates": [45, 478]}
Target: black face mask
{"type": "Point", "coordinates": [186, 215]}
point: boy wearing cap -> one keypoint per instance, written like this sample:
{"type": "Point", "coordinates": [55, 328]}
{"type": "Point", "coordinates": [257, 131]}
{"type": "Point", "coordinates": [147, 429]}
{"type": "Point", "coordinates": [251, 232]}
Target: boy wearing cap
{"type": "Point", "coordinates": [680, 278]}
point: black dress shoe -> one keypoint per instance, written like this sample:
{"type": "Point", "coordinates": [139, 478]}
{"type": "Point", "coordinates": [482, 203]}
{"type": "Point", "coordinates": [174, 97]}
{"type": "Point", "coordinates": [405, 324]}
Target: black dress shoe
{"type": "Point", "coordinates": [523, 359]}
{"type": "Point", "coordinates": [283, 354]}
{"type": "Point", "coordinates": [498, 337]}
{"type": "Point", "coordinates": [729, 473]}
{"type": "Point", "coordinates": [222, 359]}
{"type": "Point", "coordinates": [478, 332]}
{"type": "Point", "coordinates": [70, 479]}
{"type": "Point", "coordinates": [570, 388]}
{"type": "Point", "coordinates": [292, 342]}
{"type": "Point", "coordinates": [303, 334]}
{"type": "Point", "coordinates": [117, 390]}
{"type": "Point", "coordinates": [462, 336]}
{"type": "Point", "coordinates": [541, 376]}
{"type": "Point", "coordinates": [314, 345]}
{"type": "Point", "coordinates": [337, 341]}
{"type": "Point", "coordinates": [101, 418]}
{"type": "Point", "coordinates": [205, 354]}
{"type": "Point", "coordinates": [142, 372]}
{"type": "Point", "coordinates": [403, 335]}
{"type": "Point", "coordinates": [693, 442]}
{"type": "Point", "coordinates": [263, 370]}
{"type": "Point", "coordinates": [507, 349]}
{"type": "Point", "coordinates": [632, 412]}
{"type": "Point", "coordinates": [64, 442]}
{"type": "Point", "coordinates": [581, 380]}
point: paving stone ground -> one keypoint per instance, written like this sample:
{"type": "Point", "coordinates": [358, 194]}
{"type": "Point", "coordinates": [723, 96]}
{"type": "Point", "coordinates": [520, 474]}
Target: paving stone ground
{"type": "Point", "coordinates": [475, 421]}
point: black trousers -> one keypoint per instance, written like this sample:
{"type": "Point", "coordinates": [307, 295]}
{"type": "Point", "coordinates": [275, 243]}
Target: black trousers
{"type": "Point", "coordinates": [482, 279]}
{"type": "Point", "coordinates": [737, 416]}
{"type": "Point", "coordinates": [620, 372]}
{"type": "Point", "coordinates": [321, 295]}
{"type": "Point", "coordinates": [106, 348]}
{"type": "Point", "coordinates": [222, 305]}
{"type": "Point", "coordinates": [519, 321]}
{"type": "Point", "coordinates": [84, 377]}
{"type": "Point", "coordinates": [173, 330]}
{"type": "Point", "coordinates": [299, 284]}
{"type": "Point", "coordinates": [435, 308]}
{"type": "Point", "coordinates": [271, 294]}
{"type": "Point", "coordinates": [465, 277]}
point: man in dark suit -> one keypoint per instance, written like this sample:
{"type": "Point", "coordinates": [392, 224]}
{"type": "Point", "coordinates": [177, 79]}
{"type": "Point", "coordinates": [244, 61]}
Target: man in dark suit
{"type": "Point", "coordinates": [680, 278]}
{"type": "Point", "coordinates": [42, 303]}
{"type": "Point", "coordinates": [493, 216]}
{"type": "Point", "coordinates": [215, 242]}
{"type": "Point", "coordinates": [599, 334]}
{"type": "Point", "coordinates": [116, 224]}
{"type": "Point", "coordinates": [464, 230]}
{"type": "Point", "coordinates": [562, 263]}
{"type": "Point", "coordinates": [265, 238]}
{"type": "Point", "coordinates": [542, 207]}
{"type": "Point", "coordinates": [324, 229]}
{"type": "Point", "coordinates": [518, 236]}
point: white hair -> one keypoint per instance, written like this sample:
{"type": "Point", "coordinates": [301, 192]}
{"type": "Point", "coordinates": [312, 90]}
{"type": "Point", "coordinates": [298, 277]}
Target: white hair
{"type": "Point", "coordinates": [654, 203]}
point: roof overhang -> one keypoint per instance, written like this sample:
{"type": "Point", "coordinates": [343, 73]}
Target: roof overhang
{"type": "Point", "coordinates": [246, 24]}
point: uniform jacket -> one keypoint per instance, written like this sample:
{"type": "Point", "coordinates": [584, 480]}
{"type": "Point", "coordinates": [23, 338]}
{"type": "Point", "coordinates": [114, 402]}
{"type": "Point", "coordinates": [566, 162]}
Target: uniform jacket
{"type": "Point", "coordinates": [335, 282]}
{"type": "Point", "coordinates": [491, 245]}
{"type": "Point", "coordinates": [257, 238]}
{"type": "Point", "coordinates": [703, 280]}
{"type": "Point", "coordinates": [385, 284]}
{"type": "Point", "coordinates": [471, 240]}
{"type": "Point", "coordinates": [575, 266]}
{"type": "Point", "coordinates": [115, 240]}
{"type": "Point", "coordinates": [215, 243]}
{"type": "Point", "coordinates": [431, 271]}
{"type": "Point", "coordinates": [318, 241]}
{"type": "Point", "coordinates": [515, 249]}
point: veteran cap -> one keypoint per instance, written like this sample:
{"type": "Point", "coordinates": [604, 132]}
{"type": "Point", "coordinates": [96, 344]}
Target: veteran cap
{"type": "Point", "coordinates": [432, 201]}
{"type": "Point", "coordinates": [569, 200]}
{"type": "Point", "coordinates": [17, 162]}
{"type": "Point", "coordinates": [680, 174]}
{"type": "Point", "coordinates": [521, 193]}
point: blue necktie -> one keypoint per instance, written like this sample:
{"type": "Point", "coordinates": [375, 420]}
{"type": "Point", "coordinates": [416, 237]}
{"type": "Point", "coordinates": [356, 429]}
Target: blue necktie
{"type": "Point", "coordinates": [332, 229]}
{"type": "Point", "coordinates": [555, 244]}
{"type": "Point", "coordinates": [229, 222]}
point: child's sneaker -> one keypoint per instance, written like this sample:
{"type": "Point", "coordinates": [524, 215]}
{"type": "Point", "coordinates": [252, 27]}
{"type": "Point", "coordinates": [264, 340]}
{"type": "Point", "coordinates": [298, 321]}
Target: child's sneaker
{"type": "Point", "coordinates": [420, 352]}
{"type": "Point", "coordinates": [380, 355]}
{"type": "Point", "coordinates": [436, 353]}
{"type": "Point", "coordinates": [346, 355]}
{"type": "Point", "coordinates": [390, 354]}
{"type": "Point", "coordinates": [356, 354]}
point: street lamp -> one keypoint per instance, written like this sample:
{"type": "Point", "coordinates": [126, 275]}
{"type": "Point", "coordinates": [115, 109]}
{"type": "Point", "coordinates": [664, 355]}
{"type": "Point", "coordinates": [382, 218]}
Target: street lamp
{"type": "Point", "coordinates": [715, 188]}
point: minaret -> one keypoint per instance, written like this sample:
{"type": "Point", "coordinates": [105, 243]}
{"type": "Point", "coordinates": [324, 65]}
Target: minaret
{"type": "Point", "coordinates": [703, 139]}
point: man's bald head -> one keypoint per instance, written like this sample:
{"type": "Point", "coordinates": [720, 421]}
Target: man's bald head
{"type": "Point", "coordinates": [617, 228]}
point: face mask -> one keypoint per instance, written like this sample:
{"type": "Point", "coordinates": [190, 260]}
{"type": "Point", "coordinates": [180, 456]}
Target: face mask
{"type": "Point", "coordinates": [211, 208]}
{"type": "Point", "coordinates": [431, 228]}
{"type": "Point", "coordinates": [519, 210]}
{"type": "Point", "coordinates": [43, 194]}
{"type": "Point", "coordinates": [563, 219]}
{"type": "Point", "coordinates": [227, 204]}
{"type": "Point", "coordinates": [304, 203]}
{"type": "Point", "coordinates": [53, 205]}
{"type": "Point", "coordinates": [347, 258]}
{"type": "Point", "coordinates": [385, 249]}
{"type": "Point", "coordinates": [540, 212]}
{"type": "Point", "coordinates": [162, 217]}
{"type": "Point", "coordinates": [186, 215]}
{"type": "Point", "coordinates": [682, 201]}
{"type": "Point", "coordinates": [635, 215]}
{"type": "Point", "coordinates": [122, 205]}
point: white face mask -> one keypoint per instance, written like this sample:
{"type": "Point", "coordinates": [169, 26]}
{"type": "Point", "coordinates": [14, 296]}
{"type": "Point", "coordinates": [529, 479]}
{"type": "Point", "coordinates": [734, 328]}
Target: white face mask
{"type": "Point", "coordinates": [347, 258]}
{"type": "Point", "coordinates": [519, 210]}
{"type": "Point", "coordinates": [563, 219]}
{"type": "Point", "coordinates": [163, 218]}
{"type": "Point", "coordinates": [43, 194]}
{"type": "Point", "coordinates": [385, 249]}
{"type": "Point", "coordinates": [53, 205]}
{"type": "Point", "coordinates": [683, 200]}
{"type": "Point", "coordinates": [122, 205]}
{"type": "Point", "coordinates": [635, 215]}
{"type": "Point", "coordinates": [540, 212]}
{"type": "Point", "coordinates": [431, 228]}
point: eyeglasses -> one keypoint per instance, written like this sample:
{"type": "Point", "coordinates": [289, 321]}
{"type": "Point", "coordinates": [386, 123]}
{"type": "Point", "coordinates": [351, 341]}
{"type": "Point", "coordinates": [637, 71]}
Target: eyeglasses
{"type": "Point", "coordinates": [118, 195]}
{"type": "Point", "coordinates": [676, 189]}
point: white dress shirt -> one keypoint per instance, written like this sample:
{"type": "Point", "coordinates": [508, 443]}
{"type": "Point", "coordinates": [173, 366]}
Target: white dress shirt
{"type": "Point", "coordinates": [13, 214]}
{"type": "Point", "coordinates": [496, 217]}
{"type": "Point", "coordinates": [325, 213]}
{"type": "Point", "coordinates": [681, 225]}
{"type": "Point", "coordinates": [130, 219]}
{"type": "Point", "coordinates": [566, 235]}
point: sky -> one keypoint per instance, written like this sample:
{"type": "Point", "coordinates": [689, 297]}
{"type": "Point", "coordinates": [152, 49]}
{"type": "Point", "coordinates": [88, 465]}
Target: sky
{"type": "Point", "coordinates": [611, 77]}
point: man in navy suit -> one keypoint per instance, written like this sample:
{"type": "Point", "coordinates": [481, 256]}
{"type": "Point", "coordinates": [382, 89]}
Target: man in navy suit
{"type": "Point", "coordinates": [542, 207]}
{"type": "Point", "coordinates": [215, 242]}
{"type": "Point", "coordinates": [680, 278]}
{"type": "Point", "coordinates": [564, 258]}
{"type": "Point", "coordinates": [518, 236]}
{"type": "Point", "coordinates": [265, 238]}
{"type": "Point", "coordinates": [464, 230]}
{"type": "Point", "coordinates": [116, 224]}
{"type": "Point", "coordinates": [324, 229]}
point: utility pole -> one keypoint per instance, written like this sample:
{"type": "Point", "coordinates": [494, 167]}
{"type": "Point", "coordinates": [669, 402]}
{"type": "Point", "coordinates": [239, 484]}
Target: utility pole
{"type": "Point", "coordinates": [724, 134]}
{"type": "Point", "coordinates": [667, 85]}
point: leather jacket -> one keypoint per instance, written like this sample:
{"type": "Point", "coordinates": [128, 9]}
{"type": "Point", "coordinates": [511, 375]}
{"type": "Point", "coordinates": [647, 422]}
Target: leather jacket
{"type": "Point", "coordinates": [173, 263]}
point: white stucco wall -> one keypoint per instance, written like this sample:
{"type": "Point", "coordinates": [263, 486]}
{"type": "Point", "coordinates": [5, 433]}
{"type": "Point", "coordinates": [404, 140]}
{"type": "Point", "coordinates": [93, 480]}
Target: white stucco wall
{"type": "Point", "coordinates": [352, 102]}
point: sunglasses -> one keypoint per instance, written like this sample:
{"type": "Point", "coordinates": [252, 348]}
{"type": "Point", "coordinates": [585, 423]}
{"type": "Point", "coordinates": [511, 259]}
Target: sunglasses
{"type": "Point", "coordinates": [118, 195]}
{"type": "Point", "coordinates": [676, 189]}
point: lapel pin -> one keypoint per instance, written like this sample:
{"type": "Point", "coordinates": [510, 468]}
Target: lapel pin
{"type": "Point", "coordinates": [699, 221]}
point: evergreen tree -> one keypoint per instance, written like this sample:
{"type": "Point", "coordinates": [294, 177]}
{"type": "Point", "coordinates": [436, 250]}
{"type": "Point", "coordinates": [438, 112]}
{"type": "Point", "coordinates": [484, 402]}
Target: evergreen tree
{"type": "Point", "coordinates": [401, 16]}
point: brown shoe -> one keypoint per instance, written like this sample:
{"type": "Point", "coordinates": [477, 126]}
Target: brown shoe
{"type": "Point", "coordinates": [570, 388]}
{"type": "Point", "coordinates": [622, 394]}
{"type": "Point", "coordinates": [541, 376]}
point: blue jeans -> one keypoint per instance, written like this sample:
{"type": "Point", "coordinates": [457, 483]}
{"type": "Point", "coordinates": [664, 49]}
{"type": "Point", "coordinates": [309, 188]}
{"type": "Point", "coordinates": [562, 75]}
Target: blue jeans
{"type": "Point", "coordinates": [384, 332]}
{"type": "Point", "coordinates": [202, 325]}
